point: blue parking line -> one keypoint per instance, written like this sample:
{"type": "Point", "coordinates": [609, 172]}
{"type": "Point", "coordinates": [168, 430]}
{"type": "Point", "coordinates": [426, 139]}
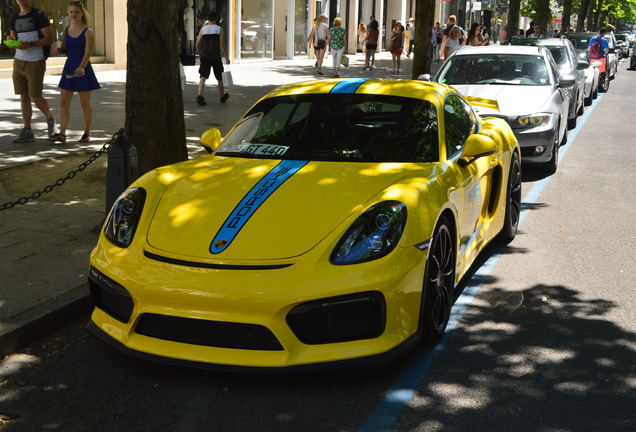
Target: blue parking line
{"type": "Point", "coordinates": [403, 388]}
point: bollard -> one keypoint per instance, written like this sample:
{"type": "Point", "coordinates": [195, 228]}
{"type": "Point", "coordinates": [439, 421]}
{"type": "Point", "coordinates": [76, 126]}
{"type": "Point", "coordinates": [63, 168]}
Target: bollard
{"type": "Point", "coordinates": [122, 168]}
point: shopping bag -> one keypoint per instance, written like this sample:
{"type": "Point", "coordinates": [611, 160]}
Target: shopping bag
{"type": "Point", "coordinates": [227, 78]}
{"type": "Point", "coordinates": [345, 61]}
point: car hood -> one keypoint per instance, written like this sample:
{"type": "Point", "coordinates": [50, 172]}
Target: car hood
{"type": "Point", "coordinates": [512, 100]}
{"type": "Point", "coordinates": [231, 209]}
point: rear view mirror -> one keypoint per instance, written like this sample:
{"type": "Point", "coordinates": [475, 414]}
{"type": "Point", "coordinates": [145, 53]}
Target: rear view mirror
{"type": "Point", "coordinates": [211, 139]}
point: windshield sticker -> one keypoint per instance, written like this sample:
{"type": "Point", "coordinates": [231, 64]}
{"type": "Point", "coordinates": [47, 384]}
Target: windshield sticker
{"type": "Point", "coordinates": [252, 201]}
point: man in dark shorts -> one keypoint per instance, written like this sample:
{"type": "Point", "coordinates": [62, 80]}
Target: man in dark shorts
{"type": "Point", "coordinates": [31, 26]}
{"type": "Point", "coordinates": [211, 47]}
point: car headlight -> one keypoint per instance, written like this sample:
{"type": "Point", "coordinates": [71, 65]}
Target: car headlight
{"type": "Point", "coordinates": [534, 120]}
{"type": "Point", "coordinates": [373, 235]}
{"type": "Point", "coordinates": [124, 217]}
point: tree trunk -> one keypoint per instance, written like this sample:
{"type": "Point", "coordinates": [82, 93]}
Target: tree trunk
{"type": "Point", "coordinates": [543, 15]}
{"type": "Point", "coordinates": [154, 100]}
{"type": "Point", "coordinates": [567, 14]}
{"type": "Point", "coordinates": [424, 14]}
{"type": "Point", "coordinates": [580, 22]}
{"type": "Point", "coordinates": [591, 25]}
{"type": "Point", "coordinates": [512, 28]}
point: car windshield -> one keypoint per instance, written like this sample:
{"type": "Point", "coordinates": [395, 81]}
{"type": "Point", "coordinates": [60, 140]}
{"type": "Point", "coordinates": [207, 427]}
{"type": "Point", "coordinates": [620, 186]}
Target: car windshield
{"type": "Point", "coordinates": [337, 127]}
{"type": "Point", "coordinates": [621, 37]}
{"type": "Point", "coordinates": [581, 42]}
{"type": "Point", "coordinates": [500, 69]}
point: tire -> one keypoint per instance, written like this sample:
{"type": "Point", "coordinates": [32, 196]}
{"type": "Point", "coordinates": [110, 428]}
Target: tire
{"type": "Point", "coordinates": [603, 83]}
{"type": "Point", "coordinates": [572, 122]}
{"type": "Point", "coordinates": [513, 200]}
{"type": "Point", "coordinates": [588, 99]}
{"type": "Point", "coordinates": [595, 93]}
{"type": "Point", "coordinates": [439, 284]}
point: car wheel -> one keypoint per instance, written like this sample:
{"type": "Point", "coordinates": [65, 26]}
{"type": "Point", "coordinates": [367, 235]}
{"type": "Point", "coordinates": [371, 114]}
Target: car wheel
{"type": "Point", "coordinates": [588, 99]}
{"type": "Point", "coordinates": [572, 122]}
{"type": "Point", "coordinates": [604, 82]}
{"type": "Point", "coordinates": [581, 109]}
{"type": "Point", "coordinates": [439, 284]}
{"type": "Point", "coordinates": [551, 166]}
{"type": "Point", "coordinates": [595, 93]}
{"type": "Point", "coordinates": [513, 200]}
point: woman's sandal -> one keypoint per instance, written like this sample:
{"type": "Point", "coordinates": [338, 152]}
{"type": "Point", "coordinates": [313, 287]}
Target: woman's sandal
{"type": "Point", "coordinates": [85, 138]}
{"type": "Point", "coordinates": [57, 137]}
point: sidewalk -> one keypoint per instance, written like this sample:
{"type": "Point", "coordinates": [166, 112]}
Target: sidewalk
{"type": "Point", "coordinates": [46, 245]}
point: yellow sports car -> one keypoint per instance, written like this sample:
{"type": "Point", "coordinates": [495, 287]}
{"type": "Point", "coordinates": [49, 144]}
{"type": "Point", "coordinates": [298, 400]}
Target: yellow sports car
{"type": "Point", "coordinates": [329, 228]}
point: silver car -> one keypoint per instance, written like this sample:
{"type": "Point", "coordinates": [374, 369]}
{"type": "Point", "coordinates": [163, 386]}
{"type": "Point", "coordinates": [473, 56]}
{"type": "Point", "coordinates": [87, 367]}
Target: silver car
{"type": "Point", "coordinates": [531, 94]}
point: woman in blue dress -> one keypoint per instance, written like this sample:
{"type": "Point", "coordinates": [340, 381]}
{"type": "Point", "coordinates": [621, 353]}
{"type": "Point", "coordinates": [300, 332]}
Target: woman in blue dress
{"type": "Point", "coordinates": [78, 75]}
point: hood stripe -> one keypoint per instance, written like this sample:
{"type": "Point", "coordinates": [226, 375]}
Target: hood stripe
{"type": "Point", "coordinates": [348, 86]}
{"type": "Point", "coordinates": [252, 201]}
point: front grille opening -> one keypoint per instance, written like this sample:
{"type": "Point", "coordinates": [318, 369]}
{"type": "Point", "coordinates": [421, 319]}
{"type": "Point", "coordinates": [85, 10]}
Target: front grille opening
{"type": "Point", "coordinates": [208, 333]}
{"type": "Point", "coordinates": [110, 296]}
{"type": "Point", "coordinates": [339, 319]}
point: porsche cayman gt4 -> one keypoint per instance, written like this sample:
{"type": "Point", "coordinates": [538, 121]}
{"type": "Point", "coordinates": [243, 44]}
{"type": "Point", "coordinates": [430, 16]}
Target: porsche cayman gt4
{"type": "Point", "coordinates": [329, 228]}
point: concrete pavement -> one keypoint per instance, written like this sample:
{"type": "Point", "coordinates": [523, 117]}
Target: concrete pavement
{"type": "Point", "coordinates": [45, 245]}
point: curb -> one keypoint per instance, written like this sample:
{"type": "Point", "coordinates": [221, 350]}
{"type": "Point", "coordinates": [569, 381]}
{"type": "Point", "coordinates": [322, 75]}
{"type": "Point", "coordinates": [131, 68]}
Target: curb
{"type": "Point", "coordinates": [39, 321]}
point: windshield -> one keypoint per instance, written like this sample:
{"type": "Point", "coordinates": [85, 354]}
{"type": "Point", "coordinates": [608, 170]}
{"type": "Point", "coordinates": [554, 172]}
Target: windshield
{"type": "Point", "coordinates": [500, 69]}
{"type": "Point", "coordinates": [620, 37]}
{"type": "Point", "coordinates": [337, 127]}
{"type": "Point", "coordinates": [581, 42]}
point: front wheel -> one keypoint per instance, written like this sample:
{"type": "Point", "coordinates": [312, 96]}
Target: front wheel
{"type": "Point", "coordinates": [439, 284]}
{"type": "Point", "coordinates": [513, 200]}
{"type": "Point", "coordinates": [551, 166]}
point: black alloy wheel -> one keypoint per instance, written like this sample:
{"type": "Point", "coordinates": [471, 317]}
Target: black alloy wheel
{"type": "Point", "coordinates": [513, 200]}
{"type": "Point", "coordinates": [551, 166]}
{"type": "Point", "coordinates": [603, 82]}
{"type": "Point", "coordinates": [439, 284]}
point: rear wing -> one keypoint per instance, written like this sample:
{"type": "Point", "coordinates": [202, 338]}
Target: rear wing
{"type": "Point", "coordinates": [482, 102]}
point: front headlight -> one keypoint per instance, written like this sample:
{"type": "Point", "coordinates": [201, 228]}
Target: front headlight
{"type": "Point", "coordinates": [534, 120]}
{"type": "Point", "coordinates": [372, 235]}
{"type": "Point", "coordinates": [124, 217]}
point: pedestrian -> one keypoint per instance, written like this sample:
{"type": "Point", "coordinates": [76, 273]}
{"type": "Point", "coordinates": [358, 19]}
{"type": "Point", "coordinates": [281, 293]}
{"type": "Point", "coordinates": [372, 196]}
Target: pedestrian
{"type": "Point", "coordinates": [452, 19]}
{"type": "Point", "coordinates": [211, 46]}
{"type": "Point", "coordinates": [397, 46]}
{"type": "Point", "coordinates": [452, 42]}
{"type": "Point", "coordinates": [536, 32]}
{"type": "Point", "coordinates": [598, 45]}
{"type": "Point", "coordinates": [373, 35]}
{"type": "Point", "coordinates": [411, 25]}
{"type": "Point", "coordinates": [475, 37]}
{"type": "Point", "coordinates": [78, 75]}
{"type": "Point", "coordinates": [437, 30]}
{"type": "Point", "coordinates": [318, 37]}
{"type": "Point", "coordinates": [362, 34]}
{"type": "Point", "coordinates": [31, 26]}
{"type": "Point", "coordinates": [529, 31]}
{"type": "Point", "coordinates": [336, 41]}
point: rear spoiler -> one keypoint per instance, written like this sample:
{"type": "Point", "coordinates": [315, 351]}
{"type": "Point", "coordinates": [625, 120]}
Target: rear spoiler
{"type": "Point", "coordinates": [482, 102]}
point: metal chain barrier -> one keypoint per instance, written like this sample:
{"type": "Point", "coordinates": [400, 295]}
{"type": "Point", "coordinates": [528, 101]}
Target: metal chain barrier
{"type": "Point", "coordinates": [37, 194]}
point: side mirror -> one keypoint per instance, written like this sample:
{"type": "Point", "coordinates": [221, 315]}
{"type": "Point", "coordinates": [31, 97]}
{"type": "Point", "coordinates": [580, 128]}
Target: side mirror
{"type": "Point", "coordinates": [424, 77]}
{"type": "Point", "coordinates": [597, 63]}
{"type": "Point", "coordinates": [477, 146]}
{"type": "Point", "coordinates": [567, 80]}
{"type": "Point", "coordinates": [211, 139]}
{"type": "Point", "coordinates": [582, 64]}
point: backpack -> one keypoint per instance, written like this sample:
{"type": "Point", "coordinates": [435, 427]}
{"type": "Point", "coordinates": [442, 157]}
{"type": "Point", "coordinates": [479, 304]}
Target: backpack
{"type": "Point", "coordinates": [596, 51]}
{"type": "Point", "coordinates": [46, 50]}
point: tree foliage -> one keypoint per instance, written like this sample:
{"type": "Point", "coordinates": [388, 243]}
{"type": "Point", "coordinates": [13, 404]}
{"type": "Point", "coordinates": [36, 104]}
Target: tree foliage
{"type": "Point", "coordinates": [154, 101]}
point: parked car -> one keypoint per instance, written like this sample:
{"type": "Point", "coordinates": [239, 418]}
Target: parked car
{"type": "Point", "coordinates": [608, 70]}
{"type": "Point", "coordinates": [632, 58]}
{"type": "Point", "coordinates": [591, 77]}
{"type": "Point", "coordinates": [532, 96]}
{"type": "Point", "coordinates": [329, 228]}
{"type": "Point", "coordinates": [569, 64]}
{"type": "Point", "coordinates": [622, 45]}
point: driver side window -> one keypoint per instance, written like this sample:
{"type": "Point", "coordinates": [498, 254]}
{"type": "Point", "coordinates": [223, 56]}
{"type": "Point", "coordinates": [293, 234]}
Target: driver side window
{"type": "Point", "coordinates": [459, 123]}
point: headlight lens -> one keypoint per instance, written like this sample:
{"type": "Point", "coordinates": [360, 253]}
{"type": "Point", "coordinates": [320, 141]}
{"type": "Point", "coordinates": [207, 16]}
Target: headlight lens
{"type": "Point", "coordinates": [373, 235]}
{"type": "Point", "coordinates": [534, 120]}
{"type": "Point", "coordinates": [124, 217]}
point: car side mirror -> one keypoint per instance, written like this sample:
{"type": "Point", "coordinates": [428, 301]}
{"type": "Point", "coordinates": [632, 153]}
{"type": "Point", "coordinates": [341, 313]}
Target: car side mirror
{"type": "Point", "coordinates": [567, 80]}
{"type": "Point", "coordinates": [477, 146]}
{"type": "Point", "coordinates": [211, 139]}
{"type": "Point", "coordinates": [424, 77]}
{"type": "Point", "coordinates": [582, 64]}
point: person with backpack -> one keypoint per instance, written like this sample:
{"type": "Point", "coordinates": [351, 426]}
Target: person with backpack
{"type": "Point", "coordinates": [31, 27]}
{"type": "Point", "coordinates": [599, 46]}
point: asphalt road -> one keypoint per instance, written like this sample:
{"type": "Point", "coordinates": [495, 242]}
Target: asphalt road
{"type": "Point", "coordinates": [547, 340]}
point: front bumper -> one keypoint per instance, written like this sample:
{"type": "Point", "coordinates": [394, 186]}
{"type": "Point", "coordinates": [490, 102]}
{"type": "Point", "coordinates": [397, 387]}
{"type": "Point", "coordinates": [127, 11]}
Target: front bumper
{"type": "Point", "coordinates": [537, 144]}
{"type": "Point", "coordinates": [258, 319]}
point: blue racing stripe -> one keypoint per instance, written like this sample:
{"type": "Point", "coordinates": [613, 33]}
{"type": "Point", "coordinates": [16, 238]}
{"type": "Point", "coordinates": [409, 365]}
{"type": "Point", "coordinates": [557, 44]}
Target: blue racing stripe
{"type": "Point", "coordinates": [348, 86]}
{"type": "Point", "coordinates": [252, 201]}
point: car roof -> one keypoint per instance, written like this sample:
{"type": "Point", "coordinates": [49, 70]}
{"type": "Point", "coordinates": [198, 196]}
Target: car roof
{"type": "Point", "coordinates": [501, 49]}
{"type": "Point", "coordinates": [542, 42]}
